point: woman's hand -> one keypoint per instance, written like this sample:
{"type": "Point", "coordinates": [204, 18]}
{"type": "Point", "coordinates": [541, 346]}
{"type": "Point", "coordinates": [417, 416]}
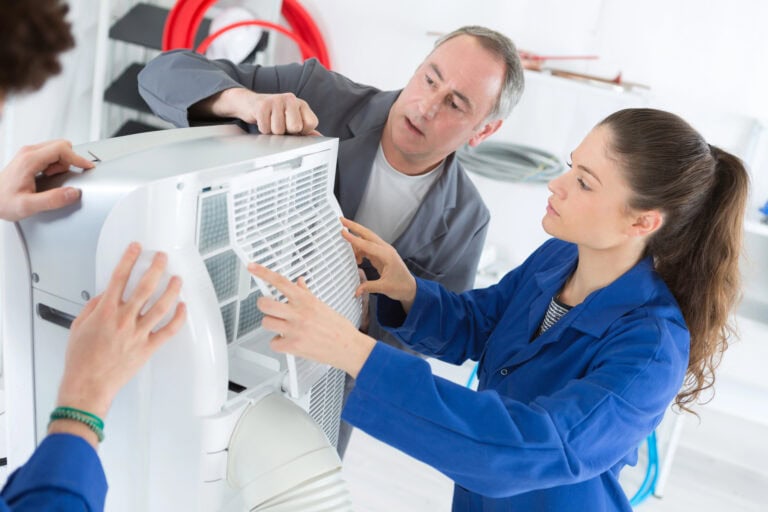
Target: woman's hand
{"type": "Point", "coordinates": [308, 327]}
{"type": "Point", "coordinates": [395, 280]}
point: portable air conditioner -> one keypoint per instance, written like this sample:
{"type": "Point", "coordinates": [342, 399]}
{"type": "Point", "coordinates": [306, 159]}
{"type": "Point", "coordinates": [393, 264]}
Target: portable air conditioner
{"type": "Point", "coordinates": [216, 420]}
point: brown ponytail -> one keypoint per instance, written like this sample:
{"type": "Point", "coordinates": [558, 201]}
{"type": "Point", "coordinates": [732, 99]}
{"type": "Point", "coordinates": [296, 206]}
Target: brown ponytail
{"type": "Point", "coordinates": [702, 192]}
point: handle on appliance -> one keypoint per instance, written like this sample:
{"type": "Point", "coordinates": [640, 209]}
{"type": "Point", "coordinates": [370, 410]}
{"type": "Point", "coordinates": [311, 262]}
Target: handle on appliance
{"type": "Point", "coordinates": [55, 316]}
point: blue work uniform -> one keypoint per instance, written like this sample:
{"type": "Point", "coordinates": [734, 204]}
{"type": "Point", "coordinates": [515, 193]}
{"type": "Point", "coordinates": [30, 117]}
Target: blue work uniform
{"type": "Point", "coordinates": [556, 417]}
{"type": "Point", "coordinates": [64, 473]}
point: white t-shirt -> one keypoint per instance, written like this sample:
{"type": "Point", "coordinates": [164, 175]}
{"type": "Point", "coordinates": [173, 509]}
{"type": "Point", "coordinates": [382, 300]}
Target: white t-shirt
{"type": "Point", "coordinates": [391, 198]}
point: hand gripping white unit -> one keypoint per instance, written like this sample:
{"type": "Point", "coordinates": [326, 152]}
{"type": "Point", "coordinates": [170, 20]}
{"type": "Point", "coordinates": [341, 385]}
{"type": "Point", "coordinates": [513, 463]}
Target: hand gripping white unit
{"type": "Point", "coordinates": [216, 420]}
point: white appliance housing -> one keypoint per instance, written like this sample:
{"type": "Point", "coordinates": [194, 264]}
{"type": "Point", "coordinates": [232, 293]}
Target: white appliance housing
{"type": "Point", "coordinates": [212, 198]}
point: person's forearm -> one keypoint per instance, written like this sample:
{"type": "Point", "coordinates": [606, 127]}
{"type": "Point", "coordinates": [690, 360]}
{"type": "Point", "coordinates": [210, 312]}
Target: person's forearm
{"type": "Point", "coordinates": [84, 403]}
{"type": "Point", "coordinates": [410, 294]}
{"type": "Point", "coordinates": [76, 428]}
{"type": "Point", "coordinates": [356, 354]}
{"type": "Point", "coordinates": [88, 396]}
{"type": "Point", "coordinates": [221, 104]}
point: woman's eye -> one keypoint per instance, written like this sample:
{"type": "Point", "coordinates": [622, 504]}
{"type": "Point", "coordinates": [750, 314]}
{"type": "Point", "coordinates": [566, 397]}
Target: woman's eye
{"type": "Point", "coordinates": [583, 184]}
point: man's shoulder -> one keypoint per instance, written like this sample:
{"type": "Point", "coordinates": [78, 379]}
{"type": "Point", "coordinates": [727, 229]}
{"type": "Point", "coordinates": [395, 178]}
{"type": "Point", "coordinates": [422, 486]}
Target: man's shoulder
{"type": "Point", "coordinates": [339, 101]}
{"type": "Point", "coordinates": [316, 72]}
{"type": "Point", "coordinates": [467, 194]}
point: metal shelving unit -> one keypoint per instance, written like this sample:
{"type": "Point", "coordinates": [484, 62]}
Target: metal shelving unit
{"type": "Point", "coordinates": [129, 35]}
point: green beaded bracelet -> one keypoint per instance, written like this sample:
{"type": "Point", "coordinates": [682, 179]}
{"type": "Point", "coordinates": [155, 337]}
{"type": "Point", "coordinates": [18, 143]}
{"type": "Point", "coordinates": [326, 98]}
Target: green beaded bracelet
{"type": "Point", "coordinates": [90, 420]}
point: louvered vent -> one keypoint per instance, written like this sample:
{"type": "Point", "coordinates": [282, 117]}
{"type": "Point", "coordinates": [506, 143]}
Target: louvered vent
{"type": "Point", "coordinates": [224, 267]}
{"type": "Point", "coordinates": [287, 220]}
{"type": "Point", "coordinates": [325, 401]}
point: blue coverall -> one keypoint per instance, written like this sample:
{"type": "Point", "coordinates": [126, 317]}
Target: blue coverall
{"type": "Point", "coordinates": [556, 417]}
{"type": "Point", "coordinates": [64, 473]}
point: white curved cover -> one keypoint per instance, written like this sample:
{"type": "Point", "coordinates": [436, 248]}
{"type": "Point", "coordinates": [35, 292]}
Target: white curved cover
{"type": "Point", "coordinates": [281, 460]}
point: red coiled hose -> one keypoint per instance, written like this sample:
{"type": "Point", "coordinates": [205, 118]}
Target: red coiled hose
{"type": "Point", "coordinates": [186, 15]}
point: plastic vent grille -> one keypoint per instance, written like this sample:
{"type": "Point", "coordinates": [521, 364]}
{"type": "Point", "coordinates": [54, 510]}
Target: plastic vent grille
{"type": "Point", "coordinates": [250, 315]}
{"type": "Point", "coordinates": [226, 271]}
{"type": "Point", "coordinates": [325, 401]}
{"type": "Point", "coordinates": [223, 271]}
{"type": "Point", "coordinates": [288, 221]}
{"type": "Point", "coordinates": [220, 260]}
{"type": "Point", "coordinates": [214, 229]}
{"type": "Point", "coordinates": [228, 315]}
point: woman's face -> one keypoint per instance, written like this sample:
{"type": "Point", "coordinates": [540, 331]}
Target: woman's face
{"type": "Point", "coordinates": [589, 203]}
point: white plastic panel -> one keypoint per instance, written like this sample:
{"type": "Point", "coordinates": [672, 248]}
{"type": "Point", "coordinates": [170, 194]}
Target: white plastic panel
{"type": "Point", "coordinates": [156, 194]}
{"type": "Point", "coordinates": [285, 218]}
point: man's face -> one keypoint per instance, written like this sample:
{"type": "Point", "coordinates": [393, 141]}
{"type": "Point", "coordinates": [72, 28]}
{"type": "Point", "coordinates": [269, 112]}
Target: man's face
{"type": "Point", "coordinates": [444, 105]}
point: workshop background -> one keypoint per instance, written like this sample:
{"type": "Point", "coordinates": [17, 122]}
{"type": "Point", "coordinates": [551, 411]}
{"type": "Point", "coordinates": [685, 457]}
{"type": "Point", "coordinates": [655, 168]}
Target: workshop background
{"type": "Point", "coordinates": [706, 60]}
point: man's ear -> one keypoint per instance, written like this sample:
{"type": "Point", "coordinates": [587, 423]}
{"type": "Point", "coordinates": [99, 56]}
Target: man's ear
{"type": "Point", "coordinates": [483, 133]}
{"type": "Point", "coordinates": [646, 223]}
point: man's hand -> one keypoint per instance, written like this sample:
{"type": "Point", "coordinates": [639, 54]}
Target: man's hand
{"type": "Point", "coordinates": [277, 114]}
{"type": "Point", "coordinates": [18, 193]}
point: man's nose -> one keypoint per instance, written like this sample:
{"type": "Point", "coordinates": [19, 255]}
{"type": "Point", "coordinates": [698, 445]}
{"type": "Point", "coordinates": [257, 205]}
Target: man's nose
{"type": "Point", "coordinates": [429, 105]}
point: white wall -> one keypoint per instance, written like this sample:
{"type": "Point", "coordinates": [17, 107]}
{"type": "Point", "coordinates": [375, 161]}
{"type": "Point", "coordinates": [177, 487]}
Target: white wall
{"type": "Point", "coordinates": [702, 51]}
{"type": "Point", "coordinates": [705, 59]}
{"type": "Point", "coordinates": [705, 54]}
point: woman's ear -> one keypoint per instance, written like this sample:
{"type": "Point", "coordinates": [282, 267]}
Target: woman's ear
{"type": "Point", "coordinates": [646, 223]}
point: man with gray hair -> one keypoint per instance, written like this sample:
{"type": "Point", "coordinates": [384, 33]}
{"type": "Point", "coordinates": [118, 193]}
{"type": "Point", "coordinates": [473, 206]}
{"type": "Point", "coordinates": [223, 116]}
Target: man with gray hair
{"type": "Point", "coordinates": [397, 171]}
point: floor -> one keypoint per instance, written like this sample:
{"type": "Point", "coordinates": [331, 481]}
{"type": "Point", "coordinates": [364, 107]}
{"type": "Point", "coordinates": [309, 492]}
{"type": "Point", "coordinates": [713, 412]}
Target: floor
{"type": "Point", "coordinates": [721, 464]}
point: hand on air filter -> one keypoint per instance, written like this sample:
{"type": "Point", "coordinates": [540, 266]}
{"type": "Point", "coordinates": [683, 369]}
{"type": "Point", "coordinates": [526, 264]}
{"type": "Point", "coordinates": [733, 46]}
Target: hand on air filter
{"type": "Point", "coordinates": [310, 328]}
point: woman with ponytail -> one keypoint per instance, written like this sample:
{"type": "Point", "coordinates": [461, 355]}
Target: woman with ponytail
{"type": "Point", "coordinates": [581, 349]}
{"type": "Point", "coordinates": [701, 192]}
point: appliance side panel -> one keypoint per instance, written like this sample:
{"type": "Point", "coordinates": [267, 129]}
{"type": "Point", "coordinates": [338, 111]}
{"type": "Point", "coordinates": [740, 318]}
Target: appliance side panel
{"type": "Point", "coordinates": [16, 311]}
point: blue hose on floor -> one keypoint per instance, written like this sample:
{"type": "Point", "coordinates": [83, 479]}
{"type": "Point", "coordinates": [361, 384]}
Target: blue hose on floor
{"type": "Point", "coordinates": [472, 375]}
{"type": "Point", "coordinates": [651, 474]}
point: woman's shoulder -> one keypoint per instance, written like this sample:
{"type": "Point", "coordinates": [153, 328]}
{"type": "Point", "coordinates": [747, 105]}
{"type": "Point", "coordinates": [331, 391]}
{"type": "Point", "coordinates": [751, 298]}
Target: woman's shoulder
{"type": "Point", "coordinates": [554, 251]}
{"type": "Point", "coordinates": [552, 256]}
